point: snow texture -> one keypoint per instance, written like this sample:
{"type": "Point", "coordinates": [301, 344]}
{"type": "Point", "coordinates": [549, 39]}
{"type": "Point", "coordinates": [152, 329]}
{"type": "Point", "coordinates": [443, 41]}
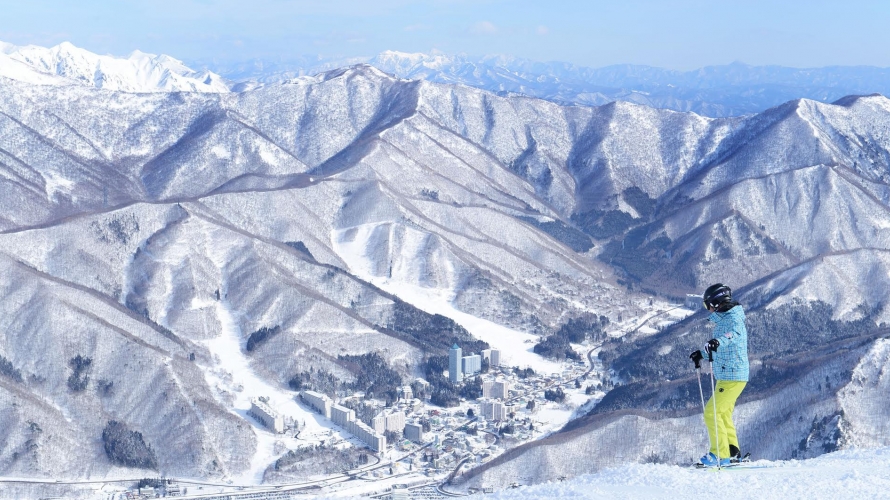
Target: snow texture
{"type": "Point", "coordinates": [847, 474]}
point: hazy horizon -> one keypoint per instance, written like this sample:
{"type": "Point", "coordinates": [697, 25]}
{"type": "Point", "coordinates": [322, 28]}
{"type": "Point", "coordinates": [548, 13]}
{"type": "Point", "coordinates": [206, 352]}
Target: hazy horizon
{"type": "Point", "coordinates": [675, 34]}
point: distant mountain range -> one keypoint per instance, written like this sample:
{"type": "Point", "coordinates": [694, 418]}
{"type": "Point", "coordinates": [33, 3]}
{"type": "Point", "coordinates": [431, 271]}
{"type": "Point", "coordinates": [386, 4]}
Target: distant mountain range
{"type": "Point", "coordinates": [715, 91]}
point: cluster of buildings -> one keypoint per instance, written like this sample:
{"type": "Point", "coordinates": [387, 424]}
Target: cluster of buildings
{"type": "Point", "coordinates": [460, 366]}
{"type": "Point", "coordinates": [495, 405]}
{"type": "Point", "coordinates": [345, 418]}
{"type": "Point", "coordinates": [495, 393]}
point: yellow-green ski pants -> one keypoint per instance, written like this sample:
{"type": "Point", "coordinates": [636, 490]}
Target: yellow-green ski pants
{"type": "Point", "coordinates": [725, 394]}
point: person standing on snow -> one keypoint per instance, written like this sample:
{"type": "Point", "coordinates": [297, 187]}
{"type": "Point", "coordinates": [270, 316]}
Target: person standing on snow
{"type": "Point", "coordinates": [729, 346]}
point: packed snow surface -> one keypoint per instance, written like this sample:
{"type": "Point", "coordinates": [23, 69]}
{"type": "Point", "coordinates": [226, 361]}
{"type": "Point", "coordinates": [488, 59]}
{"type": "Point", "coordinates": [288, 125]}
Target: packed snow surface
{"type": "Point", "coordinates": [844, 474]}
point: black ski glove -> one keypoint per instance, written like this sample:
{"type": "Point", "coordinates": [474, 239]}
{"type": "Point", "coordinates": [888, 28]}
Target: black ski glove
{"type": "Point", "coordinates": [712, 345]}
{"type": "Point", "coordinates": [696, 358]}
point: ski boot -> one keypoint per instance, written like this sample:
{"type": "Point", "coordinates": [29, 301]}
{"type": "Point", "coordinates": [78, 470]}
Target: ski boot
{"type": "Point", "coordinates": [735, 455]}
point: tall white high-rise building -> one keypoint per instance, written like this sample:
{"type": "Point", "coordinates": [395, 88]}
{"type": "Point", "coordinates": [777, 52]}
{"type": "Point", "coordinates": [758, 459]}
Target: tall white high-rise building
{"type": "Point", "coordinates": [471, 364]}
{"type": "Point", "coordinates": [495, 358]}
{"type": "Point", "coordinates": [500, 389]}
{"type": "Point", "coordinates": [341, 415]}
{"type": "Point", "coordinates": [455, 374]}
{"type": "Point", "coordinates": [414, 432]}
{"type": "Point", "coordinates": [366, 434]}
{"type": "Point", "coordinates": [378, 423]}
{"type": "Point", "coordinates": [486, 388]}
{"type": "Point", "coordinates": [493, 410]}
{"type": "Point", "coordinates": [345, 418]}
{"type": "Point", "coordinates": [405, 392]}
{"type": "Point", "coordinates": [394, 421]}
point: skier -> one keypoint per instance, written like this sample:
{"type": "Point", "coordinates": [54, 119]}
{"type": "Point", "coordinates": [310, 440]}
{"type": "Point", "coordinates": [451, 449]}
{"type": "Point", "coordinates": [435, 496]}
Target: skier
{"type": "Point", "coordinates": [729, 348]}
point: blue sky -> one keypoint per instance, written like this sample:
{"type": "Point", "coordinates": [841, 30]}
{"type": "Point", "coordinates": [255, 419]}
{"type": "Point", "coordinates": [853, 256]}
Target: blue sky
{"type": "Point", "coordinates": [677, 34]}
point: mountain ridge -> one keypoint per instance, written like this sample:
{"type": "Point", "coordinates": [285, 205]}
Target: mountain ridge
{"type": "Point", "coordinates": [139, 72]}
{"type": "Point", "coordinates": [718, 91]}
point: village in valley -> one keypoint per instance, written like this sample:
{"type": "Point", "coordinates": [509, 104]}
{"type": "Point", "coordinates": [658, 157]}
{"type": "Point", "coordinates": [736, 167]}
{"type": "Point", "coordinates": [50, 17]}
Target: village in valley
{"type": "Point", "coordinates": [511, 403]}
{"type": "Point", "coordinates": [422, 443]}
{"type": "Point", "coordinates": [410, 447]}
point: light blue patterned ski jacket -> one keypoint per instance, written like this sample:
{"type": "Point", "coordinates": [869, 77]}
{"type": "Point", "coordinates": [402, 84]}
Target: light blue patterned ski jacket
{"type": "Point", "coordinates": [731, 358]}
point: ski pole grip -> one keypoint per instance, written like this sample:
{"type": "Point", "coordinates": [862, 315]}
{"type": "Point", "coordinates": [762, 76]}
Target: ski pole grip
{"type": "Point", "coordinates": [710, 356]}
{"type": "Point", "coordinates": [696, 358]}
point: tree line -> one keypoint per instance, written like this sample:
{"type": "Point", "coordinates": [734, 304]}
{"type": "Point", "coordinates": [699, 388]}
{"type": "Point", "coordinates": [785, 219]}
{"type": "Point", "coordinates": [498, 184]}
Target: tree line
{"type": "Point", "coordinates": [574, 331]}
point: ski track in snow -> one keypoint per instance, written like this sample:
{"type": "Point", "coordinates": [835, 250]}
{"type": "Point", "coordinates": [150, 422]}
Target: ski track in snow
{"type": "Point", "coordinates": [231, 376]}
{"type": "Point", "coordinates": [515, 346]}
{"type": "Point", "coordinates": [844, 474]}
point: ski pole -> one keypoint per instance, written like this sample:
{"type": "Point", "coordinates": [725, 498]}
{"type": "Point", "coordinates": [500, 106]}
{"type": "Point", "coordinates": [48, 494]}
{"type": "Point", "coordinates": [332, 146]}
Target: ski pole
{"type": "Point", "coordinates": [701, 393]}
{"type": "Point", "coordinates": [714, 396]}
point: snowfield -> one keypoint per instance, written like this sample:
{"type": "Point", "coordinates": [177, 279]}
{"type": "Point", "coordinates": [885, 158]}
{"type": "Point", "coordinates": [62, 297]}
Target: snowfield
{"type": "Point", "coordinates": [843, 474]}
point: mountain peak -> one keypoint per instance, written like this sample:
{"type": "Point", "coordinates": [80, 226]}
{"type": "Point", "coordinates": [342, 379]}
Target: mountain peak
{"type": "Point", "coordinates": [68, 46]}
{"type": "Point", "coordinates": [140, 72]}
{"type": "Point", "coordinates": [362, 69]}
{"type": "Point", "coordinates": [850, 100]}
{"type": "Point", "coordinates": [404, 63]}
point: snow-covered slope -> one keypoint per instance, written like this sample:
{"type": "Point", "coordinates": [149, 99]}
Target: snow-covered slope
{"type": "Point", "coordinates": [17, 70]}
{"type": "Point", "coordinates": [140, 72]}
{"type": "Point", "coordinates": [710, 194]}
{"type": "Point", "coordinates": [799, 406]}
{"type": "Point", "coordinates": [846, 474]}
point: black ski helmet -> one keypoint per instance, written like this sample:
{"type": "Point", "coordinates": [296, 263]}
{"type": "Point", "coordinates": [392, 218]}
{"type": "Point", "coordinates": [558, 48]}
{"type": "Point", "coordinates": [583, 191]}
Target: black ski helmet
{"type": "Point", "coordinates": [716, 295]}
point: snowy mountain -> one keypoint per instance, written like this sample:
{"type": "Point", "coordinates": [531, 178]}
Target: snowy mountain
{"type": "Point", "coordinates": [250, 74]}
{"type": "Point", "coordinates": [728, 90]}
{"type": "Point", "coordinates": [717, 91]}
{"type": "Point", "coordinates": [157, 235]}
{"type": "Point", "coordinates": [140, 72]}
{"type": "Point", "coordinates": [183, 224]}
